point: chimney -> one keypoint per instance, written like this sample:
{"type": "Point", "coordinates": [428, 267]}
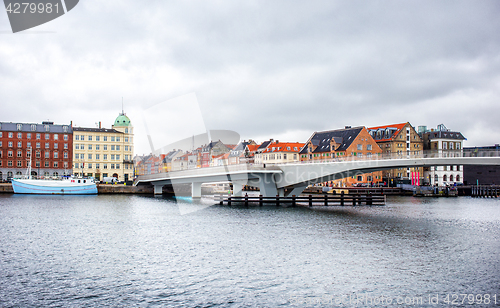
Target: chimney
{"type": "Point", "coordinates": [99, 124]}
{"type": "Point", "coordinates": [346, 127]}
{"type": "Point", "coordinates": [277, 141]}
{"type": "Point", "coordinates": [71, 123]}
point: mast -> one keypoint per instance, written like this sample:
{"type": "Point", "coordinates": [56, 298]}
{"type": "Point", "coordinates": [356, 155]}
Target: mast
{"type": "Point", "coordinates": [28, 171]}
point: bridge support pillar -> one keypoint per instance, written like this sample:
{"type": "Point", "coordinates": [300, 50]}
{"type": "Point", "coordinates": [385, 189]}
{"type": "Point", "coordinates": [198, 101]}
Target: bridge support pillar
{"type": "Point", "coordinates": [158, 189]}
{"type": "Point", "coordinates": [281, 192]}
{"type": "Point", "coordinates": [267, 185]}
{"type": "Point", "coordinates": [196, 190]}
{"type": "Point", "coordinates": [238, 188]}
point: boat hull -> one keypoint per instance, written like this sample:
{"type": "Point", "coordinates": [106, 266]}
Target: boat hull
{"type": "Point", "coordinates": [48, 187]}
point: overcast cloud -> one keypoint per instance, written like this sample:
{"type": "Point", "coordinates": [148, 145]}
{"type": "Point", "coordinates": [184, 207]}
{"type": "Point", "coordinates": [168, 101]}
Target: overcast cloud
{"type": "Point", "coordinates": [265, 69]}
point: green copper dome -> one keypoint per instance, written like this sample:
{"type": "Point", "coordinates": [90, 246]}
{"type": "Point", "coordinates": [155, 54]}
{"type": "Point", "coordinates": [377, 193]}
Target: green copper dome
{"type": "Point", "coordinates": [122, 120]}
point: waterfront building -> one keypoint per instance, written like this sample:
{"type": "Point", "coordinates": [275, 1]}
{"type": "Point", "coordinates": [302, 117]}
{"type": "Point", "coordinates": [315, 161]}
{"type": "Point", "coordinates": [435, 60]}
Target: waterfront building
{"type": "Point", "coordinates": [441, 142]}
{"type": "Point", "coordinates": [399, 140]}
{"type": "Point", "coordinates": [347, 143]}
{"type": "Point", "coordinates": [168, 158]}
{"type": "Point", "coordinates": [476, 174]}
{"type": "Point", "coordinates": [51, 147]}
{"type": "Point", "coordinates": [211, 150]}
{"type": "Point", "coordinates": [279, 152]}
{"type": "Point", "coordinates": [239, 154]}
{"type": "Point", "coordinates": [105, 152]}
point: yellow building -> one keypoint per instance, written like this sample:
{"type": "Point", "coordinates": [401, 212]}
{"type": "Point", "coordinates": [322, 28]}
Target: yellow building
{"type": "Point", "coordinates": [103, 152]}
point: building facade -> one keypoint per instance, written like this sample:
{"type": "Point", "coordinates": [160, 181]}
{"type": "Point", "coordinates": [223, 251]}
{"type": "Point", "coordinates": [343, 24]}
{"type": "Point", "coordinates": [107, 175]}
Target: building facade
{"type": "Point", "coordinates": [279, 153]}
{"type": "Point", "coordinates": [103, 152]}
{"type": "Point", "coordinates": [49, 144]}
{"type": "Point", "coordinates": [441, 142]}
{"type": "Point", "coordinates": [348, 143]}
{"type": "Point", "coordinates": [399, 140]}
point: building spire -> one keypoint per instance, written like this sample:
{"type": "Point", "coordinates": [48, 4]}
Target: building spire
{"type": "Point", "coordinates": [123, 113]}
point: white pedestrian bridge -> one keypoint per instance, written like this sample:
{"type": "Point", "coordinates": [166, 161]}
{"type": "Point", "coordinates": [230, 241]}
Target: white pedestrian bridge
{"type": "Point", "coordinates": [292, 178]}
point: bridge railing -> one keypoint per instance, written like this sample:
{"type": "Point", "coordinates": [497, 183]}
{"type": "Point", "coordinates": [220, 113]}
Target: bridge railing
{"type": "Point", "coordinates": [346, 158]}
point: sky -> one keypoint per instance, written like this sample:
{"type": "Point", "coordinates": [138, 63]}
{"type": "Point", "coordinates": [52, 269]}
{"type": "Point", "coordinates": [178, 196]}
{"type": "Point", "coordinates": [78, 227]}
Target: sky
{"type": "Point", "coordinates": [263, 69]}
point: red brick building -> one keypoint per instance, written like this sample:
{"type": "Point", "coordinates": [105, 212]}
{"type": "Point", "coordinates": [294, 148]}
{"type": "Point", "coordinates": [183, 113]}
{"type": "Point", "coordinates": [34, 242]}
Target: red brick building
{"type": "Point", "coordinates": [51, 147]}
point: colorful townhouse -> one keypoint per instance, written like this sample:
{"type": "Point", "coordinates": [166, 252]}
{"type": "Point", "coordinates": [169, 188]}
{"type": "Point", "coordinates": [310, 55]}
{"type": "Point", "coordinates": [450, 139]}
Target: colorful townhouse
{"type": "Point", "coordinates": [399, 140]}
{"type": "Point", "coordinates": [347, 143]}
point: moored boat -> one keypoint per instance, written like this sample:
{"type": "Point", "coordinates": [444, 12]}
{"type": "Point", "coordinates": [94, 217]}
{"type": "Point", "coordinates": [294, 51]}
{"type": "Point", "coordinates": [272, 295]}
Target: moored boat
{"type": "Point", "coordinates": [61, 186]}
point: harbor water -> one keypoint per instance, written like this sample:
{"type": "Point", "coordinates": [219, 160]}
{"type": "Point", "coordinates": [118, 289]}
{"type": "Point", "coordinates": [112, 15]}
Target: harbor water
{"type": "Point", "coordinates": [141, 251]}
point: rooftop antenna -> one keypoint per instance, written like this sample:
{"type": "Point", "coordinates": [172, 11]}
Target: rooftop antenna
{"type": "Point", "coordinates": [122, 107]}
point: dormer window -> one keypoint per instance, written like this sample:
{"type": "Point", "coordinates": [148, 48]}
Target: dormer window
{"type": "Point", "coordinates": [47, 128]}
{"type": "Point", "coordinates": [19, 126]}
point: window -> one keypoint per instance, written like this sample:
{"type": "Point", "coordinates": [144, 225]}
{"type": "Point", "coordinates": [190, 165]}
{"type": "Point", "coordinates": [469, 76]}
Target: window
{"type": "Point", "coordinates": [444, 178]}
{"type": "Point", "coordinates": [65, 164]}
{"type": "Point", "coordinates": [97, 166]}
{"type": "Point", "coordinates": [47, 128]}
{"type": "Point", "coordinates": [445, 145]}
{"type": "Point", "coordinates": [47, 165]}
{"type": "Point", "coordinates": [89, 139]}
{"type": "Point", "coordinates": [360, 147]}
{"type": "Point", "coordinates": [28, 135]}
{"type": "Point", "coordinates": [117, 139]}
{"type": "Point", "coordinates": [77, 147]}
{"type": "Point", "coordinates": [105, 138]}
{"type": "Point", "coordinates": [112, 138]}
{"type": "Point", "coordinates": [90, 156]}
{"type": "Point", "coordinates": [126, 148]}
{"type": "Point", "coordinates": [65, 146]}
{"type": "Point", "coordinates": [90, 147]}
{"type": "Point", "coordinates": [118, 157]}
{"type": "Point", "coordinates": [118, 148]}
{"type": "Point", "coordinates": [112, 166]}
{"type": "Point", "coordinates": [20, 135]}
{"type": "Point", "coordinates": [19, 153]}
{"type": "Point", "coordinates": [65, 155]}
{"type": "Point", "coordinates": [56, 137]}
{"type": "Point", "coordinates": [19, 163]}
{"type": "Point", "coordinates": [11, 135]}
{"type": "Point", "coordinates": [97, 138]}
{"type": "Point", "coordinates": [126, 139]}
{"type": "Point", "coordinates": [37, 154]}
{"type": "Point", "coordinates": [9, 163]}
{"type": "Point", "coordinates": [458, 178]}
{"type": "Point", "coordinates": [33, 127]}
{"type": "Point", "coordinates": [97, 156]}
{"type": "Point", "coordinates": [369, 147]}
{"type": "Point", "coordinates": [38, 136]}
{"type": "Point", "coordinates": [46, 145]}
{"type": "Point", "coordinates": [1, 134]}
{"type": "Point", "coordinates": [97, 147]}
{"type": "Point", "coordinates": [11, 144]}
{"type": "Point", "coordinates": [77, 137]}
{"type": "Point", "coordinates": [105, 147]}
{"type": "Point", "coordinates": [359, 178]}
{"type": "Point", "coordinates": [47, 154]}
{"type": "Point", "coordinates": [56, 154]}
{"type": "Point", "coordinates": [126, 130]}
{"type": "Point", "coordinates": [105, 156]}
{"type": "Point", "coordinates": [76, 165]}
{"type": "Point", "coordinates": [38, 145]}
{"type": "Point", "coordinates": [65, 128]}
{"type": "Point", "coordinates": [112, 156]}
{"type": "Point", "coordinates": [89, 166]}
{"type": "Point", "coordinates": [56, 145]}
{"type": "Point", "coordinates": [112, 148]}
{"type": "Point", "coordinates": [37, 164]}
{"type": "Point", "coordinates": [105, 166]}
{"type": "Point", "coordinates": [65, 137]}
{"type": "Point", "coordinates": [19, 126]}
{"type": "Point", "coordinates": [117, 166]}
{"type": "Point", "coordinates": [19, 144]}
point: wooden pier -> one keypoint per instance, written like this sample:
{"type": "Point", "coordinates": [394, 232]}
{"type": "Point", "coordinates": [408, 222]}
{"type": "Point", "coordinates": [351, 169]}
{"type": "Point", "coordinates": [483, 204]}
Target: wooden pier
{"type": "Point", "coordinates": [310, 200]}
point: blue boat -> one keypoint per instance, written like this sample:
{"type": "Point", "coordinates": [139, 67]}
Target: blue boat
{"type": "Point", "coordinates": [71, 186]}
{"type": "Point", "coordinates": [62, 186]}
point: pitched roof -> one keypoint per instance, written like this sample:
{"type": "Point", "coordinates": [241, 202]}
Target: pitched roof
{"type": "Point", "coordinates": [388, 132]}
{"type": "Point", "coordinates": [265, 144]}
{"type": "Point", "coordinates": [322, 139]}
{"type": "Point", "coordinates": [444, 135]}
{"type": "Point", "coordinates": [252, 147]}
{"type": "Point", "coordinates": [284, 147]}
